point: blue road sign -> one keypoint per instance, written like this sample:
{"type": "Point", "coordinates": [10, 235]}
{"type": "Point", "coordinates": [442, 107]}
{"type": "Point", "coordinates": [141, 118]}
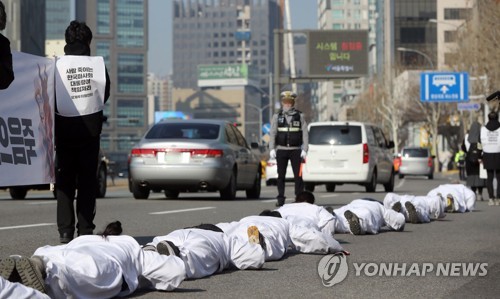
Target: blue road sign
{"type": "Point", "coordinates": [468, 106]}
{"type": "Point", "coordinates": [444, 87]}
{"type": "Point", "coordinates": [266, 128]}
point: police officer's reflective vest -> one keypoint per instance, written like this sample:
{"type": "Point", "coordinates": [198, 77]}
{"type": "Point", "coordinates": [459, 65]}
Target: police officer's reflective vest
{"type": "Point", "coordinates": [289, 134]}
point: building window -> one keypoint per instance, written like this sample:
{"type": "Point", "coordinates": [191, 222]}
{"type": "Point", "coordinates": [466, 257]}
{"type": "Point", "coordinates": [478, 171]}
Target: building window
{"type": "Point", "coordinates": [457, 13]}
{"type": "Point", "coordinates": [337, 13]}
{"type": "Point", "coordinates": [337, 26]}
{"type": "Point", "coordinates": [131, 73]}
{"type": "Point", "coordinates": [103, 17]}
{"type": "Point", "coordinates": [450, 36]}
{"type": "Point", "coordinates": [130, 23]}
{"type": "Point", "coordinates": [130, 113]}
{"type": "Point", "coordinates": [102, 49]}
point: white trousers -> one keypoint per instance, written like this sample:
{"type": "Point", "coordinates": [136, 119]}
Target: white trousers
{"type": "Point", "coordinates": [372, 217]}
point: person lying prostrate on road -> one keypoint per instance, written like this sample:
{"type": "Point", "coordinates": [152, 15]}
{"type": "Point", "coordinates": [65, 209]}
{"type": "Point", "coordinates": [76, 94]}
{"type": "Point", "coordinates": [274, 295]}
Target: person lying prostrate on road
{"type": "Point", "coordinates": [206, 249]}
{"type": "Point", "coordinates": [272, 227]}
{"type": "Point", "coordinates": [459, 198]}
{"type": "Point", "coordinates": [96, 266]}
{"type": "Point", "coordinates": [304, 209]}
{"type": "Point", "coordinates": [19, 291]}
{"type": "Point", "coordinates": [367, 216]}
{"type": "Point", "coordinates": [416, 209]}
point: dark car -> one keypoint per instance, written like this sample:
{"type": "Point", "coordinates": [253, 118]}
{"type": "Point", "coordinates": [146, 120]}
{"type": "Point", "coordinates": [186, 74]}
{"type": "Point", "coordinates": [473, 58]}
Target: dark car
{"type": "Point", "coordinates": [194, 155]}
{"type": "Point", "coordinates": [20, 192]}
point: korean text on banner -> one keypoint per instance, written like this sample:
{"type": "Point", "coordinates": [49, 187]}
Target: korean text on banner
{"type": "Point", "coordinates": [27, 123]}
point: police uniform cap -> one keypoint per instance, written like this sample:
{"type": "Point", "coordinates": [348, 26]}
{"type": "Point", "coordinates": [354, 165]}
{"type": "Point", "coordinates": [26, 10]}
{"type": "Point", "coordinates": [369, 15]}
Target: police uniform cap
{"type": "Point", "coordinates": [288, 96]}
{"type": "Point", "coordinates": [494, 96]}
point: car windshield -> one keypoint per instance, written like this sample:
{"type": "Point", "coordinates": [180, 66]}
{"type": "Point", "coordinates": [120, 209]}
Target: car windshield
{"type": "Point", "coordinates": [183, 131]}
{"type": "Point", "coordinates": [335, 135]}
{"type": "Point", "coordinates": [415, 153]}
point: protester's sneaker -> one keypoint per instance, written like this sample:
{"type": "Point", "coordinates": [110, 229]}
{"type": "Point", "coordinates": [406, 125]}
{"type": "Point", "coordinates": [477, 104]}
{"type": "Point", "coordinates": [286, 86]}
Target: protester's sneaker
{"type": "Point", "coordinates": [491, 202]}
{"type": "Point", "coordinates": [32, 272]}
{"type": "Point", "coordinates": [397, 207]}
{"type": "Point", "coordinates": [253, 234]}
{"type": "Point", "coordinates": [8, 269]}
{"type": "Point", "coordinates": [412, 212]}
{"type": "Point", "coordinates": [167, 248]}
{"type": "Point", "coordinates": [450, 204]}
{"type": "Point", "coordinates": [497, 202]}
{"type": "Point", "coordinates": [149, 247]}
{"type": "Point", "coordinates": [353, 221]}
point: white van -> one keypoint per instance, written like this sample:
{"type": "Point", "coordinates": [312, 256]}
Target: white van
{"type": "Point", "coordinates": [348, 153]}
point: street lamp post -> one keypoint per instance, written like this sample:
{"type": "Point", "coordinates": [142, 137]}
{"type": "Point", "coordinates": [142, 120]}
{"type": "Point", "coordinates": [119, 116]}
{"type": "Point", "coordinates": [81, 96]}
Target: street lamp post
{"type": "Point", "coordinates": [260, 117]}
{"type": "Point", "coordinates": [402, 49]}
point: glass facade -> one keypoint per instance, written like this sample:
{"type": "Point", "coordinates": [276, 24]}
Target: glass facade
{"type": "Point", "coordinates": [103, 13]}
{"type": "Point", "coordinates": [412, 31]}
{"type": "Point", "coordinates": [131, 73]}
{"type": "Point", "coordinates": [130, 113]}
{"type": "Point", "coordinates": [130, 23]}
{"type": "Point", "coordinates": [102, 49]}
{"type": "Point", "coordinates": [58, 17]}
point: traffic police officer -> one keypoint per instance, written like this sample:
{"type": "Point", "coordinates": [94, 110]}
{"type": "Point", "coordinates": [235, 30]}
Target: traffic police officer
{"type": "Point", "coordinates": [288, 142]}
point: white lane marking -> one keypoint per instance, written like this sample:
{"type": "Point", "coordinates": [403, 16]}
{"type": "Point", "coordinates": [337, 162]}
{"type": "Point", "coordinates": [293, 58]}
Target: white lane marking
{"type": "Point", "coordinates": [274, 200]}
{"type": "Point", "coordinates": [181, 211]}
{"type": "Point", "coordinates": [329, 195]}
{"type": "Point", "coordinates": [42, 202]}
{"type": "Point", "coordinates": [25, 226]}
{"type": "Point", "coordinates": [401, 182]}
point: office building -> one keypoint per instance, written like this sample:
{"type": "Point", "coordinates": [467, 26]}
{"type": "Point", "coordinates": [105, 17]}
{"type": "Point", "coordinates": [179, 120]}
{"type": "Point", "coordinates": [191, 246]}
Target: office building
{"type": "Point", "coordinates": [26, 29]}
{"type": "Point", "coordinates": [120, 33]}
{"type": "Point", "coordinates": [208, 32]}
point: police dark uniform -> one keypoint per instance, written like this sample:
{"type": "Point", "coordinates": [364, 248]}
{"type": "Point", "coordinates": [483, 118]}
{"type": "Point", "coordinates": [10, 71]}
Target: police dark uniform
{"type": "Point", "coordinates": [288, 142]}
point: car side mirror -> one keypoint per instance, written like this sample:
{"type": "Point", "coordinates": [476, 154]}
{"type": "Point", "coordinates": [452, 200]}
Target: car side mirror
{"type": "Point", "coordinates": [390, 144]}
{"type": "Point", "coordinates": [254, 145]}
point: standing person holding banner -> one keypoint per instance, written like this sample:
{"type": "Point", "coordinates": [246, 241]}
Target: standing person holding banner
{"type": "Point", "coordinates": [490, 140]}
{"type": "Point", "coordinates": [6, 69]}
{"type": "Point", "coordinates": [82, 89]}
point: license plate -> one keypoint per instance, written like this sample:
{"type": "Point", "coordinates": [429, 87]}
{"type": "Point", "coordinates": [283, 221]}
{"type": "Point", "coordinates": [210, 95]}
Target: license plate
{"type": "Point", "coordinates": [173, 157]}
{"type": "Point", "coordinates": [333, 164]}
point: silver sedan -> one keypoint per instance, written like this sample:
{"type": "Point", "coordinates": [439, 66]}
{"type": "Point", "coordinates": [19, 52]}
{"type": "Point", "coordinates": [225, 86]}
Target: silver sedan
{"type": "Point", "coordinates": [193, 155]}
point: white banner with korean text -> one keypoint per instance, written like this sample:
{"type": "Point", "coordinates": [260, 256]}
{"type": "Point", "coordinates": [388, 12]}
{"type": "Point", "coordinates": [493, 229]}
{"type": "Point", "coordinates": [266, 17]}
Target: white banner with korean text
{"type": "Point", "coordinates": [27, 123]}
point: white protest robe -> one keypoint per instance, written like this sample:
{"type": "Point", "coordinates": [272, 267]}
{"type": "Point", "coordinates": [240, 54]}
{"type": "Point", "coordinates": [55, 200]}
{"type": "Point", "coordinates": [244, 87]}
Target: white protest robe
{"type": "Point", "coordinates": [307, 238]}
{"type": "Point", "coordinates": [464, 199]}
{"type": "Point", "coordinates": [92, 266]}
{"type": "Point", "coordinates": [427, 207]}
{"type": "Point", "coordinates": [323, 219]}
{"type": "Point", "coordinates": [274, 230]}
{"type": "Point", "coordinates": [206, 252]}
{"type": "Point", "coordinates": [372, 217]}
{"type": "Point", "coordinates": [18, 291]}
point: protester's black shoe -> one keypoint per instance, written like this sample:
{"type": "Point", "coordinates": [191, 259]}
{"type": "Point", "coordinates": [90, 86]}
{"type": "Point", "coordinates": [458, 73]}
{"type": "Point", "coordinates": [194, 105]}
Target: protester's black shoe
{"type": "Point", "coordinates": [32, 272]}
{"type": "Point", "coordinates": [412, 213]}
{"type": "Point", "coordinates": [8, 270]}
{"type": "Point", "coordinates": [397, 207]}
{"type": "Point", "coordinates": [330, 210]}
{"type": "Point", "coordinates": [65, 238]}
{"type": "Point", "coordinates": [280, 201]}
{"type": "Point", "coordinates": [353, 221]}
{"type": "Point", "coordinates": [167, 248]}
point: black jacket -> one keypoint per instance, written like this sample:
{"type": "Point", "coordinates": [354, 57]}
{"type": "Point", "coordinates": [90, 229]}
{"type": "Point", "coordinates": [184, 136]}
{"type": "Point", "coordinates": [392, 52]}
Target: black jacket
{"type": "Point", "coordinates": [6, 71]}
{"type": "Point", "coordinates": [80, 127]}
